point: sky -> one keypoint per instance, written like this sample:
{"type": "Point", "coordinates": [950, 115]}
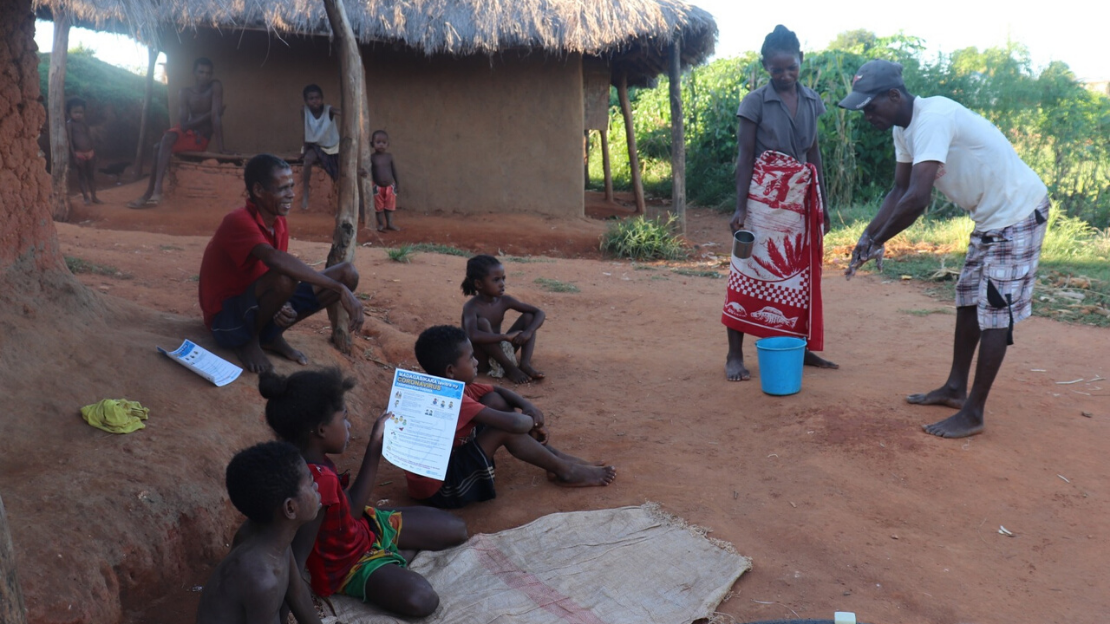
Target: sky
{"type": "Point", "coordinates": [1071, 31]}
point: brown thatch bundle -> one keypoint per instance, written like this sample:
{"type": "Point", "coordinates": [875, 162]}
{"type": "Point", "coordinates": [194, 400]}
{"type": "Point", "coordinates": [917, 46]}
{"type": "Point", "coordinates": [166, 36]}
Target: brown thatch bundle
{"type": "Point", "coordinates": [457, 27]}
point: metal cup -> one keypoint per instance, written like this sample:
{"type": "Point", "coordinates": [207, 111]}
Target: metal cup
{"type": "Point", "coordinates": [742, 243]}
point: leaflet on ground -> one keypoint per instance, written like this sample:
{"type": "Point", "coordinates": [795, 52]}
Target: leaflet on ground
{"type": "Point", "coordinates": [419, 436]}
{"type": "Point", "coordinates": [204, 363]}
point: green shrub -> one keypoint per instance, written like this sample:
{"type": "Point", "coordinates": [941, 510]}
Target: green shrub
{"type": "Point", "coordinates": [640, 238]}
{"type": "Point", "coordinates": [404, 253]}
{"type": "Point", "coordinates": [554, 285]}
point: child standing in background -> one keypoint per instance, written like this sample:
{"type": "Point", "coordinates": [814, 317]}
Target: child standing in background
{"type": "Point", "coordinates": [386, 184]}
{"type": "Point", "coordinates": [321, 138]}
{"type": "Point", "coordinates": [81, 153]}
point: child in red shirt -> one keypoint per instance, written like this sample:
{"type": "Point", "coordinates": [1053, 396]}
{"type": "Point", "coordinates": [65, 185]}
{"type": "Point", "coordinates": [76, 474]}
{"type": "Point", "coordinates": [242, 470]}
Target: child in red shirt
{"type": "Point", "coordinates": [350, 547]}
{"type": "Point", "coordinates": [488, 420]}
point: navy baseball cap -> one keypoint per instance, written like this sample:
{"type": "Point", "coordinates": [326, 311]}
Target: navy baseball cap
{"type": "Point", "coordinates": [873, 78]}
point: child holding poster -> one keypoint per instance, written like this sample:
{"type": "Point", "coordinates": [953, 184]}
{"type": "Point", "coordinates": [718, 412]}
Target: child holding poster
{"type": "Point", "coordinates": [489, 420]}
{"type": "Point", "coordinates": [352, 548]}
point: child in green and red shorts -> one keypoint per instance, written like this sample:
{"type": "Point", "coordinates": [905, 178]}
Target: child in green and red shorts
{"type": "Point", "coordinates": [352, 548]}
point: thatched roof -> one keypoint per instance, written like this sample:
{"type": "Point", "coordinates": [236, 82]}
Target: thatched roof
{"type": "Point", "coordinates": [626, 31]}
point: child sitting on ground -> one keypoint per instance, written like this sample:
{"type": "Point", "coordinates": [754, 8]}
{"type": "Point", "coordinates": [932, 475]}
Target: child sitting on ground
{"type": "Point", "coordinates": [81, 153]}
{"type": "Point", "coordinates": [270, 484]}
{"type": "Point", "coordinates": [321, 139]}
{"type": "Point", "coordinates": [352, 548]}
{"type": "Point", "coordinates": [482, 317]}
{"type": "Point", "coordinates": [488, 420]}
{"type": "Point", "coordinates": [386, 185]}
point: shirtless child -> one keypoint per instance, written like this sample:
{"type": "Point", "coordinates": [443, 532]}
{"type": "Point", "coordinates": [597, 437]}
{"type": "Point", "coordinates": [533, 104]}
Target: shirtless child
{"type": "Point", "coordinates": [81, 153]}
{"type": "Point", "coordinates": [489, 420]}
{"type": "Point", "coordinates": [201, 108]}
{"type": "Point", "coordinates": [271, 485]}
{"type": "Point", "coordinates": [482, 317]}
{"type": "Point", "coordinates": [386, 184]}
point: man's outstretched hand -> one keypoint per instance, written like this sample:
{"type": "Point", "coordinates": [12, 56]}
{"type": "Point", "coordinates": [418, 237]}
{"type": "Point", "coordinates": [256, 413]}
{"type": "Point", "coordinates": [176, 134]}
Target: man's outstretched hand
{"type": "Point", "coordinates": [865, 250]}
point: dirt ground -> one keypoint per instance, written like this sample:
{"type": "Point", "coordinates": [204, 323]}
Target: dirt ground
{"type": "Point", "coordinates": [837, 495]}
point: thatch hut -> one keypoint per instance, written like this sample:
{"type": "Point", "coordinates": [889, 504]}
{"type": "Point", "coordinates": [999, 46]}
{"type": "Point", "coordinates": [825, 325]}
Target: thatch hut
{"type": "Point", "coordinates": [485, 101]}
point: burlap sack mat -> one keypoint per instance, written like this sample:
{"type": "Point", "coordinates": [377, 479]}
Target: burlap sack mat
{"type": "Point", "coordinates": [633, 565]}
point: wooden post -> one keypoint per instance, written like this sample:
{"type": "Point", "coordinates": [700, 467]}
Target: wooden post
{"type": "Point", "coordinates": [144, 118]}
{"type": "Point", "coordinates": [11, 598]}
{"type": "Point", "coordinates": [630, 133]}
{"type": "Point", "coordinates": [346, 218]}
{"type": "Point", "coordinates": [365, 182]}
{"type": "Point", "coordinates": [678, 138]}
{"type": "Point", "coordinates": [59, 139]}
{"type": "Point", "coordinates": [605, 165]}
{"type": "Point", "coordinates": [586, 158]}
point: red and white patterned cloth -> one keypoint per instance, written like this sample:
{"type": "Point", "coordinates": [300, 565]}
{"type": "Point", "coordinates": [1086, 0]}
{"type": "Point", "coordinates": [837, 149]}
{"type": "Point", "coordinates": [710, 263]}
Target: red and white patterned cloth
{"type": "Point", "coordinates": [777, 291]}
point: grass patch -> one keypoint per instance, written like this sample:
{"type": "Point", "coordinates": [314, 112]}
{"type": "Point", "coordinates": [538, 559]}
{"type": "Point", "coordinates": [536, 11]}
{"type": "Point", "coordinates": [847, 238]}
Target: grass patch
{"type": "Point", "coordinates": [79, 265]}
{"type": "Point", "coordinates": [1073, 281]}
{"type": "Point", "coordinates": [926, 311]}
{"type": "Point", "coordinates": [404, 253]}
{"type": "Point", "coordinates": [642, 267]}
{"type": "Point", "coordinates": [554, 285]}
{"type": "Point", "coordinates": [698, 273]}
{"type": "Point", "coordinates": [437, 248]}
{"type": "Point", "coordinates": [194, 278]}
{"type": "Point", "coordinates": [643, 239]}
{"type": "Point", "coordinates": [170, 248]}
{"type": "Point", "coordinates": [524, 259]}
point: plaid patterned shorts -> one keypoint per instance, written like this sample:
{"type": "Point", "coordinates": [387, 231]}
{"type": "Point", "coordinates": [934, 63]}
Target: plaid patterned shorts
{"type": "Point", "coordinates": [1007, 260]}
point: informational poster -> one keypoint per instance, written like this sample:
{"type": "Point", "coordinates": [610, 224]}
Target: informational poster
{"type": "Point", "coordinates": [204, 363]}
{"type": "Point", "coordinates": [421, 433]}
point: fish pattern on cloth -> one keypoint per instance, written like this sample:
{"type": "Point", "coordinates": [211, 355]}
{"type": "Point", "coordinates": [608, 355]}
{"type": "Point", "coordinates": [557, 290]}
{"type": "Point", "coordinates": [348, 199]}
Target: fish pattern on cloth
{"type": "Point", "coordinates": [772, 293]}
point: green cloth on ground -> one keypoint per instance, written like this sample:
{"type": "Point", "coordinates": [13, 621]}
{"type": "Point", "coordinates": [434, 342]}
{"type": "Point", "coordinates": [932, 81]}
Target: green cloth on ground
{"type": "Point", "coordinates": [115, 415]}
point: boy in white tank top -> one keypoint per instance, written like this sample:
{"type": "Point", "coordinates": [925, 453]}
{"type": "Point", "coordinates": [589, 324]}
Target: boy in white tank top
{"type": "Point", "coordinates": [321, 139]}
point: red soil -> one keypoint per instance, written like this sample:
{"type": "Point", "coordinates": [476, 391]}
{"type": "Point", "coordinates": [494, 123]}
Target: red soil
{"type": "Point", "coordinates": [841, 500]}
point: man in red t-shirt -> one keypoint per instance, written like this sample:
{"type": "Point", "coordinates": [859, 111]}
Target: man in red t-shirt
{"type": "Point", "coordinates": [251, 288]}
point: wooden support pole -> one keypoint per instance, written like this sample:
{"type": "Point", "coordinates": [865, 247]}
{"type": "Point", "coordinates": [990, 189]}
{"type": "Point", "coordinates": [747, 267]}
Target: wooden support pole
{"type": "Point", "coordinates": [144, 118]}
{"type": "Point", "coordinates": [346, 217]}
{"type": "Point", "coordinates": [605, 165]}
{"type": "Point", "coordinates": [12, 610]}
{"type": "Point", "coordinates": [586, 158]}
{"type": "Point", "coordinates": [630, 134]}
{"type": "Point", "coordinates": [365, 180]}
{"type": "Point", "coordinates": [678, 138]}
{"type": "Point", "coordinates": [59, 138]}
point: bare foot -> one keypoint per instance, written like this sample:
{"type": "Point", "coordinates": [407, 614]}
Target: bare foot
{"type": "Point", "coordinates": [518, 376]}
{"type": "Point", "coordinates": [85, 200]}
{"type": "Point", "coordinates": [304, 203]}
{"type": "Point", "coordinates": [253, 358]}
{"type": "Point", "coordinates": [940, 396]}
{"type": "Point", "coordinates": [393, 228]}
{"type": "Point", "coordinates": [96, 200]}
{"type": "Point", "coordinates": [960, 425]}
{"type": "Point", "coordinates": [581, 475]}
{"type": "Point", "coordinates": [735, 369]}
{"type": "Point", "coordinates": [381, 228]}
{"type": "Point", "coordinates": [531, 372]}
{"type": "Point", "coordinates": [812, 359]}
{"type": "Point", "coordinates": [281, 347]}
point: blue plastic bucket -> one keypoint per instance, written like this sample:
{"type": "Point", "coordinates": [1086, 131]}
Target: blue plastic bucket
{"type": "Point", "coordinates": [780, 364]}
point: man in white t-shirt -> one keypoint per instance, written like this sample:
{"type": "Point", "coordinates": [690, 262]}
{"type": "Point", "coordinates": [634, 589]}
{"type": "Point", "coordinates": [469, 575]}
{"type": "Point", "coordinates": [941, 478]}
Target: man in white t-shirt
{"type": "Point", "coordinates": [938, 142]}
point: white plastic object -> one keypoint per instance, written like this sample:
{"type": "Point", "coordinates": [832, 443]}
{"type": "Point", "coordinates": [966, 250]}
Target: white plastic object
{"type": "Point", "coordinates": [844, 617]}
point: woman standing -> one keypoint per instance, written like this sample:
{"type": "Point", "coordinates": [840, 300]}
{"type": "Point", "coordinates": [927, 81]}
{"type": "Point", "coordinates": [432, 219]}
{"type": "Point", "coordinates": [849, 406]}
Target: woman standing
{"type": "Point", "coordinates": [779, 197]}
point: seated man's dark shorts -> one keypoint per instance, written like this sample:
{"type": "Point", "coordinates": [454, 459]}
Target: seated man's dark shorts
{"type": "Point", "coordinates": [234, 325]}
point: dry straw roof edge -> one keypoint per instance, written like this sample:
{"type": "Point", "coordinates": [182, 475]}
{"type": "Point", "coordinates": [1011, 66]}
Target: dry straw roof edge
{"type": "Point", "coordinates": [454, 27]}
